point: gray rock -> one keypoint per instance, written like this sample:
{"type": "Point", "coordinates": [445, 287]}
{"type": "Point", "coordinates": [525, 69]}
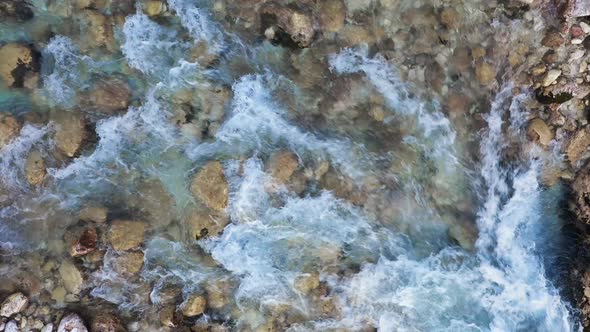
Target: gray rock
{"type": "Point", "coordinates": [11, 326]}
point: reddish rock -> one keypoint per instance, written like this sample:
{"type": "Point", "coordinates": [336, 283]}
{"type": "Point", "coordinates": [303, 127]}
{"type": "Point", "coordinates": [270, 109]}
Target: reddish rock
{"type": "Point", "coordinates": [86, 243]}
{"type": "Point", "coordinates": [576, 31]}
{"type": "Point", "coordinates": [552, 39]}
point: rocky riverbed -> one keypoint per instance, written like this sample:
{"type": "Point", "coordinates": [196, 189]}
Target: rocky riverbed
{"type": "Point", "coordinates": [277, 165]}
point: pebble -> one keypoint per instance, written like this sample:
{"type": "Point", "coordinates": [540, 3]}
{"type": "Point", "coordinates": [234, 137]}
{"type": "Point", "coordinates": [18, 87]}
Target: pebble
{"type": "Point", "coordinates": [585, 27]}
{"type": "Point", "coordinates": [551, 76]}
{"type": "Point", "coordinates": [577, 54]}
{"type": "Point", "coordinates": [576, 41]}
{"type": "Point", "coordinates": [11, 327]}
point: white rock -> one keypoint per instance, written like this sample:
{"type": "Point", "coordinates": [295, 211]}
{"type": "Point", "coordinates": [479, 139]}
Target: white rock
{"type": "Point", "coordinates": [47, 328]}
{"type": "Point", "coordinates": [577, 54]}
{"type": "Point", "coordinates": [71, 323]}
{"type": "Point", "coordinates": [585, 27]}
{"type": "Point", "coordinates": [11, 327]}
{"type": "Point", "coordinates": [551, 76]}
{"type": "Point", "coordinates": [576, 41]}
{"type": "Point", "coordinates": [14, 304]}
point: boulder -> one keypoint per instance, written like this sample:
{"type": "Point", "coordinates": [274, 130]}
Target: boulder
{"type": "Point", "coordinates": [17, 60]}
{"type": "Point", "coordinates": [71, 277]}
{"type": "Point", "coordinates": [194, 305]}
{"type": "Point", "coordinates": [210, 186]}
{"type": "Point", "coordinates": [282, 165]}
{"type": "Point", "coordinates": [110, 96]}
{"type": "Point", "coordinates": [539, 130]}
{"type": "Point", "coordinates": [578, 145]}
{"type": "Point", "coordinates": [128, 262]}
{"type": "Point", "coordinates": [16, 10]}
{"type": "Point", "coordinates": [97, 214]}
{"type": "Point", "coordinates": [204, 224]}
{"type": "Point", "coordinates": [35, 171]}
{"type": "Point", "coordinates": [71, 323]}
{"type": "Point", "coordinates": [13, 304]}
{"type": "Point", "coordinates": [9, 129]}
{"type": "Point", "coordinates": [70, 132]}
{"type": "Point", "coordinates": [290, 27]}
{"type": "Point", "coordinates": [126, 234]}
{"type": "Point", "coordinates": [104, 322]}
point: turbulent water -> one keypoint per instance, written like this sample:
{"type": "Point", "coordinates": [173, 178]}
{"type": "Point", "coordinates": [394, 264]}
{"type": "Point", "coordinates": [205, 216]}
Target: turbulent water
{"type": "Point", "coordinates": [448, 238]}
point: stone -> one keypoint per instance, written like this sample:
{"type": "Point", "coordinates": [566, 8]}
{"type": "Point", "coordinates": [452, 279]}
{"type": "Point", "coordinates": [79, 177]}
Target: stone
{"type": "Point", "coordinates": [585, 27]}
{"type": "Point", "coordinates": [84, 242]}
{"type": "Point", "coordinates": [295, 27]}
{"type": "Point", "coordinates": [449, 17]}
{"type": "Point", "coordinates": [11, 326]}
{"type": "Point", "coordinates": [14, 304]}
{"type": "Point", "coordinates": [576, 31]}
{"type": "Point", "coordinates": [576, 8]}
{"type": "Point", "coordinates": [58, 294]}
{"type": "Point", "coordinates": [194, 305]}
{"type": "Point", "coordinates": [167, 316]}
{"type": "Point", "coordinates": [126, 234]}
{"type": "Point", "coordinates": [97, 214]}
{"type": "Point", "coordinates": [47, 328]}
{"type": "Point", "coordinates": [35, 171]}
{"type": "Point", "coordinates": [154, 7]}
{"type": "Point", "coordinates": [17, 60]}
{"type": "Point", "coordinates": [16, 10]}
{"type": "Point", "coordinates": [94, 27]}
{"type": "Point", "coordinates": [219, 293]}
{"type": "Point", "coordinates": [539, 130]}
{"type": "Point", "coordinates": [306, 283]}
{"type": "Point", "coordinates": [282, 165]}
{"type": "Point", "coordinates": [358, 5]}
{"type": "Point", "coordinates": [128, 263]}
{"type": "Point", "coordinates": [105, 322]}
{"type": "Point", "coordinates": [210, 186]}
{"type": "Point", "coordinates": [577, 54]}
{"type": "Point", "coordinates": [578, 145]}
{"type": "Point", "coordinates": [484, 73]}
{"type": "Point", "coordinates": [332, 14]}
{"type": "Point", "coordinates": [552, 39]}
{"type": "Point", "coordinates": [71, 323]}
{"type": "Point", "coordinates": [9, 129]}
{"type": "Point", "coordinates": [551, 76]}
{"type": "Point", "coordinates": [550, 57]}
{"type": "Point", "coordinates": [110, 96]}
{"type": "Point", "coordinates": [202, 224]}
{"type": "Point", "coordinates": [70, 132]}
{"type": "Point", "coordinates": [71, 277]}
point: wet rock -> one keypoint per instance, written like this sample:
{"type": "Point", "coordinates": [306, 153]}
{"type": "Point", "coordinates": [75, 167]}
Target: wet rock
{"type": "Point", "coordinates": [35, 171]}
{"type": "Point", "coordinates": [16, 10]}
{"type": "Point", "coordinates": [110, 96]}
{"type": "Point", "coordinates": [551, 77]}
{"type": "Point", "coordinates": [282, 165]}
{"type": "Point", "coordinates": [9, 129]}
{"type": "Point", "coordinates": [219, 293]}
{"type": "Point", "coordinates": [104, 322]}
{"type": "Point", "coordinates": [291, 27]}
{"type": "Point", "coordinates": [578, 145]}
{"type": "Point", "coordinates": [58, 294]}
{"type": "Point", "coordinates": [14, 304]}
{"type": "Point", "coordinates": [167, 316]}
{"type": "Point", "coordinates": [97, 214]}
{"type": "Point", "coordinates": [154, 7]}
{"type": "Point", "coordinates": [484, 73]}
{"type": "Point", "coordinates": [71, 277]}
{"type": "Point", "coordinates": [126, 234]}
{"type": "Point", "coordinates": [154, 200]}
{"type": "Point", "coordinates": [306, 283]}
{"type": "Point", "coordinates": [128, 263]}
{"type": "Point", "coordinates": [82, 242]}
{"type": "Point", "coordinates": [552, 39]}
{"type": "Point", "coordinates": [70, 132]}
{"type": "Point", "coordinates": [210, 186]}
{"type": "Point", "coordinates": [194, 305]}
{"type": "Point", "coordinates": [449, 17]}
{"type": "Point", "coordinates": [539, 130]}
{"type": "Point", "coordinates": [17, 61]}
{"type": "Point", "coordinates": [71, 323]}
{"type": "Point", "coordinates": [332, 15]}
{"type": "Point", "coordinates": [203, 224]}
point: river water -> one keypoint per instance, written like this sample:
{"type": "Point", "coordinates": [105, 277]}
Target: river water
{"type": "Point", "coordinates": [410, 217]}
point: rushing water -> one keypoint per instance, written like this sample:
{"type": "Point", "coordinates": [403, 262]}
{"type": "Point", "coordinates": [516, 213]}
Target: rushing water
{"type": "Point", "coordinates": [446, 239]}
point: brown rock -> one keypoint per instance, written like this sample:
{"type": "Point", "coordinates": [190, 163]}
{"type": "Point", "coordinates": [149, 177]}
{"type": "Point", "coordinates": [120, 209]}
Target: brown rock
{"type": "Point", "coordinates": [167, 316]}
{"type": "Point", "coordinates": [308, 282]}
{"type": "Point", "coordinates": [219, 293]}
{"type": "Point", "coordinates": [110, 96]}
{"type": "Point", "coordinates": [332, 14]}
{"type": "Point", "coordinates": [539, 130]}
{"type": "Point", "coordinates": [125, 234]}
{"type": "Point", "coordinates": [97, 214]}
{"type": "Point", "coordinates": [282, 165]}
{"type": "Point", "coordinates": [203, 224]}
{"type": "Point", "coordinates": [17, 60]}
{"type": "Point", "coordinates": [210, 186]}
{"type": "Point", "coordinates": [552, 39]}
{"type": "Point", "coordinates": [550, 57]}
{"type": "Point", "coordinates": [485, 73]}
{"type": "Point", "coordinates": [94, 28]}
{"type": "Point", "coordinates": [449, 17]}
{"type": "Point", "coordinates": [295, 24]}
{"type": "Point", "coordinates": [35, 171]}
{"type": "Point", "coordinates": [9, 128]}
{"type": "Point", "coordinates": [70, 132]}
{"type": "Point", "coordinates": [194, 305]}
{"type": "Point", "coordinates": [104, 322]}
{"type": "Point", "coordinates": [128, 263]}
{"type": "Point", "coordinates": [578, 145]}
{"type": "Point", "coordinates": [86, 242]}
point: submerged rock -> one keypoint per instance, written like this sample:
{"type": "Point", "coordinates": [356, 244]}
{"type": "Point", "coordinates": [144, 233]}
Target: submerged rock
{"type": "Point", "coordinates": [104, 322]}
{"type": "Point", "coordinates": [126, 234]}
{"type": "Point", "coordinates": [70, 132]}
{"type": "Point", "coordinates": [194, 305]}
{"type": "Point", "coordinates": [71, 323]}
{"type": "Point", "coordinates": [282, 165]}
{"type": "Point", "coordinates": [539, 130]}
{"type": "Point", "coordinates": [84, 242]}
{"type": "Point", "coordinates": [17, 61]}
{"type": "Point", "coordinates": [485, 73]}
{"type": "Point", "coordinates": [9, 128]}
{"type": "Point", "coordinates": [16, 10]}
{"type": "Point", "coordinates": [110, 96]}
{"type": "Point", "coordinates": [203, 224]}
{"type": "Point", "coordinates": [128, 263]}
{"type": "Point", "coordinates": [289, 26]}
{"type": "Point", "coordinates": [14, 304]}
{"type": "Point", "coordinates": [97, 214]}
{"type": "Point", "coordinates": [71, 277]}
{"type": "Point", "coordinates": [35, 171]}
{"type": "Point", "coordinates": [210, 186]}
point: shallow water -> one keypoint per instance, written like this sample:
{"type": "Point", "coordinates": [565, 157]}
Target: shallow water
{"type": "Point", "coordinates": [401, 214]}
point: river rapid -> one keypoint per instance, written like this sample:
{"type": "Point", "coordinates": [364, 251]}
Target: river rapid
{"type": "Point", "coordinates": [204, 167]}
